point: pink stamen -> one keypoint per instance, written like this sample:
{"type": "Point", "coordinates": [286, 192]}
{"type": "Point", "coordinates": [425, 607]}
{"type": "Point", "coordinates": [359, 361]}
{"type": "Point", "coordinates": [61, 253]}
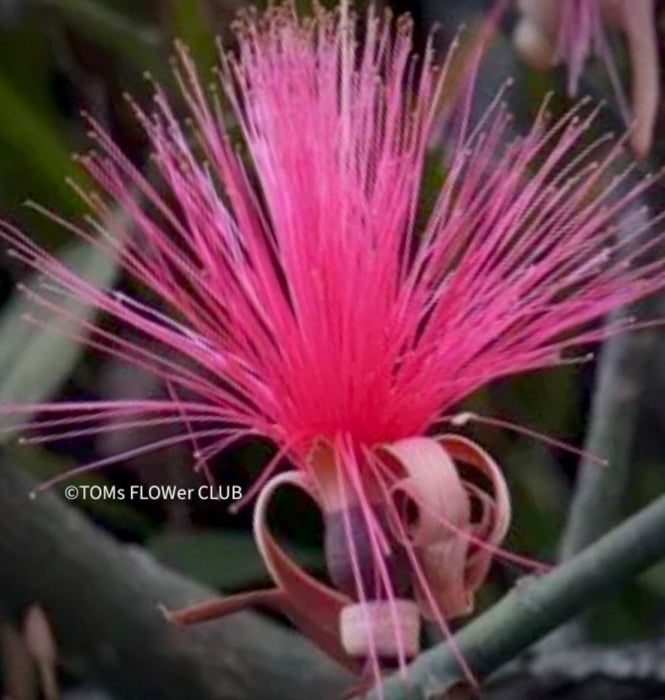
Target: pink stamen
{"type": "Point", "coordinates": [461, 419]}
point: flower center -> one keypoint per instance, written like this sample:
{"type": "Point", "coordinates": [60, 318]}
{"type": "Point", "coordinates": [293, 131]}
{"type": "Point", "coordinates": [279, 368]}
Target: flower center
{"type": "Point", "coordinates": [357, 564]}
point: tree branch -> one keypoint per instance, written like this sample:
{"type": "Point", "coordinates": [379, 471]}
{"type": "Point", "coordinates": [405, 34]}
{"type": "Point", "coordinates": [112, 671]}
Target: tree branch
{"type": "Point", "coordinates": [101, 599]}
{"type": "Point", "coordinates": [538, 605]}
{"type": "Point", "coordinates": [627, 672]}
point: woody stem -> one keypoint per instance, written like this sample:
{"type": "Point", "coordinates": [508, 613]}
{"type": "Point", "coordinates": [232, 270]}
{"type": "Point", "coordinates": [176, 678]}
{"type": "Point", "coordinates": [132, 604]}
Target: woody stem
{"type": "Point", "coordinates": [102, 602]}
{"type": "Point", "coordinates": [536, 606]}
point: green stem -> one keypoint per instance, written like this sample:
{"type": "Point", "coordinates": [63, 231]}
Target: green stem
{"type": "Point", "coordinates": [536, 606]}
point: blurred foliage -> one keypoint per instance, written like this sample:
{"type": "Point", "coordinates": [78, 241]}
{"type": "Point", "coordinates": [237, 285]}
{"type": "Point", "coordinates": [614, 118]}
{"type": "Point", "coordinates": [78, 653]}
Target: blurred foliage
{"type": "Point", "coordinates": [223, 559]}
{"type": "Point", "coordinates": [193, 25]}
{"type": "Point", "coordinates": [35, 153]}
{"type": "Point", "coordinates": [35, 359]}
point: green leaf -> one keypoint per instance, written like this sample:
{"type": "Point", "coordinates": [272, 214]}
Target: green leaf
{"type": "Point", "coordinates": [34, 361]}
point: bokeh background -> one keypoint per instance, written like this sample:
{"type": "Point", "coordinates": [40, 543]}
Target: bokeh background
{"type": "Point", "coordinates": [59, 58]}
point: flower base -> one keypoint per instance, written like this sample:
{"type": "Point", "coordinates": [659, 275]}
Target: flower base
{"type": "Point", "coordinates": [386, 628]}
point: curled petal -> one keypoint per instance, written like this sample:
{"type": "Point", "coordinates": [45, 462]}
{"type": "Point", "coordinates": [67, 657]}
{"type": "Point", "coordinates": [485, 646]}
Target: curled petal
{"type": "Point", "coordinates": [440, 527]}
{"type": "Point", "coordinates": [496, 510]}
{"type": "Point", "coordinates": [444, 566]}
{"type": "Point", "coordinates": [312, 606]}
{"type": "Point", "coordinates": [443, 509]}
{"type": "Point", "coordinates": [433, 484]}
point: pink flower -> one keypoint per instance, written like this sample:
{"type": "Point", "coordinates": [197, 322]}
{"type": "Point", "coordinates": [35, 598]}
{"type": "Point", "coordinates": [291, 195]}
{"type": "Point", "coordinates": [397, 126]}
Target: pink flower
{"type": "Point", "coordinates": [571, 31]}
{"type": "Point", "coordinates": [304, 306]}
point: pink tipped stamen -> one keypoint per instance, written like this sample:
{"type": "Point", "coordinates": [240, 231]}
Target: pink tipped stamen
{"type": "Point", "coordinates": [461, 419]}
{"type": "Point", "coordinates": [267, 472]}
{"type": "Point", "coordinates": [120, 457]}
{"type": "Point", "coordinates": [44, 438]}
{"type": "Point", "coordinates": [201, 464]}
